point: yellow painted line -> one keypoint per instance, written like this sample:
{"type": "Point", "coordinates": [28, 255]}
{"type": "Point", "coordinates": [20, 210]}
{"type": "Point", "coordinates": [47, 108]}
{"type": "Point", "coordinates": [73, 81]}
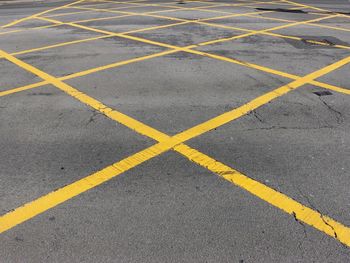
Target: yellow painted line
{"type": "Point", "coordinates": [67, 14]}
{"type": "Point", "coordinates": [55, 198]}
{"type": "Point", "coordinates": [311, 24]}
{"type": "Point", "coordinates": [133, 13]}
{"type": "Point", "coordinates": [94, 19]}
{"type": "Point", "coordinates": [26, 29]}
{"type": "Point", "coordinates": [254, 32]}
{"type": "Point", "coordinates": [330, 87]}
{"type": "Point", "coordinates": [100, 19]}
{"type": "Point", "coordinates": [272, 71]}
{"type": "Point", "coordinates": [255, 103]}
{"type": "Point", "coordinates": [155, 27]}
{"type": "Point", "coordinates": [59, 45]}
{"type": "Point", "coordinates": [117, 64]}
{"type": "Point", "coordinates": [156, 12]}
{"type": "Point", "coordinates": [268, 29]}
{"type": "Point", "coordinates": [273, 18]}
{"type": "Point", "coordinates": [87, 72]}
{"type": "Point", "coordinates": [27, 87]}
{"type": "Point", "coordinates": [38, 14]}
{"type": "Point", "coordinates": [152, 14]}
{"type": "Point", "coordinates": [79, 95]}
{"type": "Point", "coordinates": [247, 14]}
{"type": "Point", "coordinates": [84, 11]}
{"type": "Point", "coordinates": [125, 36]}
{"type": "Point", "coordinates": [315, 8]}
{"type": "Point", "coordinates": [51, 20]}
{"type": "Point", "coordinates": [186, 49]}
{"type": "Point", "coordinates": [338, 89]}
{"type": "Point", "coordinates": [273, 197]}
{"type": "Point", "coordinates": [306, 6]}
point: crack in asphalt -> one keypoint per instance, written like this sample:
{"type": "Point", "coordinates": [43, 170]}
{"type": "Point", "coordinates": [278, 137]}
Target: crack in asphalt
{"type": "Point", "coordinates": [92, 118]}
{"type": "Point", "coordinates": [338, 114]}
{"type": "Point", "coordinates": [335, 235]}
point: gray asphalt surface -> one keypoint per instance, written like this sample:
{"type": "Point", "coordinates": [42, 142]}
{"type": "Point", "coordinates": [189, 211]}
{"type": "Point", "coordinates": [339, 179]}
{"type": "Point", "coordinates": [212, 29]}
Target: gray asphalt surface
{"type": "Point", "coordinates": [169, 209]}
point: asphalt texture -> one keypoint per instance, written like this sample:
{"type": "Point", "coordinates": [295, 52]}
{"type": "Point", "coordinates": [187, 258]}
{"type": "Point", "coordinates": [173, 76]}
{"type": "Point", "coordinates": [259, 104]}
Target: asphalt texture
{"type": "Point", "coordinates": [65, 115]}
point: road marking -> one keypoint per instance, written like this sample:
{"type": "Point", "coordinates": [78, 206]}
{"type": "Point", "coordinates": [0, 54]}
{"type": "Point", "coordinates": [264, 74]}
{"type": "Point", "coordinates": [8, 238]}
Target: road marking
{"type": "Point", "coordinates": [23, 88]}
{"type": "Point", "coordinates": [38, 14]}
{"type": "Point", "coordinates": [273, 197]}
{"type": "Point", "coordinates": [86, 72]}
{"type": "Point", "coordinates": [186, 49]}
{"type": "Point", "coordinates": [59, 45]}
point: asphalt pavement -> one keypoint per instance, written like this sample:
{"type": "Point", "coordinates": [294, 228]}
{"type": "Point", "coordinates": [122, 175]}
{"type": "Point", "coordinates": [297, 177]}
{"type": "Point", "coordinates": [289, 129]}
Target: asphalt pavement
{"type": "Point", "coordinates": [166, 131]}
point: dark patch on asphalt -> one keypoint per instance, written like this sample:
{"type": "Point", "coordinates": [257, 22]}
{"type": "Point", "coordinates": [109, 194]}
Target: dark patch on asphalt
{"type": "Point", "coordinates": [323, 93]}
{"type": "Point", "coordinates": [315, 42]}
{"type": "Point", "coordinates": [18, 239]}
{"type": "Point", "coordinates": [298, 11]}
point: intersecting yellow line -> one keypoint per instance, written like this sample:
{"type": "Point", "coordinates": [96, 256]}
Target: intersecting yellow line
{"type": "Point", "coordinates": [60, 45]}
{"type": "Point", "coordinates": [84, 11]}
{"type": "Point", "coordinates": [38, 14]}
{"type": "Point", "coordinates": [293, 21]}
{"type": "Point", "coordinates": [313, 7]}
{"type": "Point", "coordinates": [202, 21]}
{"type": "Point", "coordinates": [189, 50]}
{"type": "Point", "coordinates": [273, 197]}
{"type": "Point", "coordinates": [248, 14]}
{"type": "Point", "coordinates": [321, 222]}
{"type": "Point", "coordinates": [268, 33]}
{"type": "Point", "coordinates": [186, 49]}
{"type": "Point", "coordinates": [121, 16]}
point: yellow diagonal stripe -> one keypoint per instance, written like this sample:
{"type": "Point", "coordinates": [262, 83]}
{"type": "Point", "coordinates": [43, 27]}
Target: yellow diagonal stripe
{"type": "Point", "coordinates": [279, 200]}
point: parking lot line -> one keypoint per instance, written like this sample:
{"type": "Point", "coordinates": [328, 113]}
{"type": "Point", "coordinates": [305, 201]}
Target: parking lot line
{"type": "Point", "coordinates": [59, 45]}
{"type": "Point", "coordinates": [186, 49]}
{"type": "Point", "coordinates": [189, 50]}
{"type": "Point", "coordinates": [279, 200]}
{"type": "Point", "coordinates": [40, 13]}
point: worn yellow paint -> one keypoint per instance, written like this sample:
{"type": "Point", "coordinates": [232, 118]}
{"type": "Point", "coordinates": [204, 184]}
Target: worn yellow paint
{"type": "Point", "coordinates": [273, 197]}
{"type": "Point", "coordinates": [270, 195]}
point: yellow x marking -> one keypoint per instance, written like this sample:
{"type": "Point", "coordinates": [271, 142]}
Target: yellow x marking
{"type": "Point", "coordinates": [165, 143]}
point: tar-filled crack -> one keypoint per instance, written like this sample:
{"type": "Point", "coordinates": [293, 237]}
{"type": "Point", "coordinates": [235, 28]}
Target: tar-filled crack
{"type": "Point", "coordinates": [304, 230]}
{"type": "Point", "coordinates": [317, 42]}
{"type": "Point", "coordinates": [338, 114]}
{"type": "Point", "coordinates": [257, 116]}
{"type": "Point", "coordinates": [335, 235]}
{"type": "Point", "coordinates": [300, 11]}
{"type": "Point", "coordinates": [301, 223]}
{"type": "Point", "coordinates": [283, 10]}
